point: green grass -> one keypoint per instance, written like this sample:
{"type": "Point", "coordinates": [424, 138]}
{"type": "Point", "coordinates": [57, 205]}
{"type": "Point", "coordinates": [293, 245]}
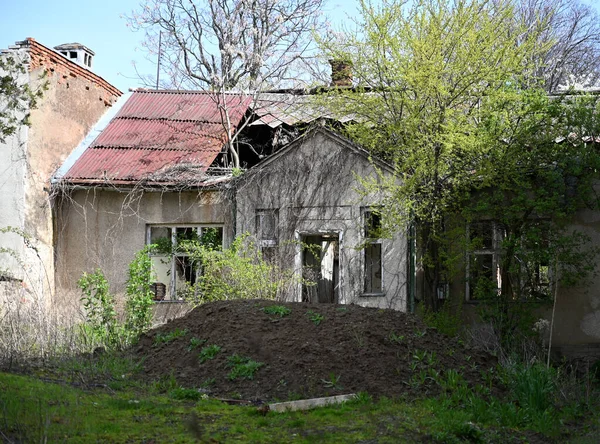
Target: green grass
{"type": "Point", "coordinates": [36, 411]}
{"type": "Point", "coordinates": [165, 338]}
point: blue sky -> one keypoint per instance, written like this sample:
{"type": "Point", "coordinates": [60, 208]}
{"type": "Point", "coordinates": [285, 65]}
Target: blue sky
{"type": "Point", "coordinates": [99, 25]}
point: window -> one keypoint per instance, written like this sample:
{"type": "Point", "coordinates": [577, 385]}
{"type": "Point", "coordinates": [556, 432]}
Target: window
{"type": "Point", "coordinates": [267, 222]}
{"type": "Point", "coordinates": [531, 274]}
{"type": "Point", "coordinates": [483, 272]}
{"type": "Point", "coordinates": [373, 253]}
{"type": "Point", "coordinates": [72, 54]}
{"type": "Point", "coordinates": [175, 269]}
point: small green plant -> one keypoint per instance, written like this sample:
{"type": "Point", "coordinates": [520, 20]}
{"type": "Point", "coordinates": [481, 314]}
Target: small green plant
{"type": "Point", "coordinates": [208, 352]}
{"type": "Point", "coordinates": [165, 338]}
{"type": "Point", "coordinates": [242, 367]}
{"type": "Point", "coordinates": [277, 310]}
{"type": "Point", "coordinates": [208, 382]}
{"type": "Point", "coordinates": [195, 343]}
{"type": "Point", "coordinates": [393, 337]}
{"type": "Point", "coordinates": [333, 382]}
{"type": "Point", "coordinates": [359, 337]}
{"type": "Point", "coordinates": [420, 355]}
{"type": "Point", "coordinates": [420, 333]}
{"type": "Point", "coordinates": [362, 398]}
{"type": "Point", "coordinates": [431, 359]}
{"type": "Point", "coordinates": [187, 394]}
{"type": "Point", "coordinates": [315, 318]}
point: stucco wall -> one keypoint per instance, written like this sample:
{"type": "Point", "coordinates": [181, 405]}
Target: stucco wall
{"type": "Point", "coordinates": [13, 163]}
{"type": "Point", "coordinates": [104, 229]}
{"type": "Point", "coordinates": [72, 102]}
{"type": "Point", "coordinates": [314, 186]}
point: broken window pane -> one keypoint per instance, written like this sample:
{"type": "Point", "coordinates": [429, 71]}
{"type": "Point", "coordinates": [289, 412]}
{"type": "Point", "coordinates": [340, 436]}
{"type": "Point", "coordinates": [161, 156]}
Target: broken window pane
{"type": "Point", "coordinates": [172, 260]}
{"type": "Point", "coordinates": [266, 227]}
{"type": "Point", "coordinates": [372, 225]}
{"type": "Point", "coordinates": [482, 276]}
{"type": "Point", "coordinates": [373, 268]}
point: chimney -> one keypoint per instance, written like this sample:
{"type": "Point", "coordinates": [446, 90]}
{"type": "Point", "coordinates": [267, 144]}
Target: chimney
{"type": "Point", "coordinates": [341, 72]}
{"type": "Point", "coordinates": [77, 53]}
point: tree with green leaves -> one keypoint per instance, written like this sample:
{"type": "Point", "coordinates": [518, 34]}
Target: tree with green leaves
{"type": "Point", "coordinates": [447, 93]}
{"type": "Point", "coordinates": [16, 96]}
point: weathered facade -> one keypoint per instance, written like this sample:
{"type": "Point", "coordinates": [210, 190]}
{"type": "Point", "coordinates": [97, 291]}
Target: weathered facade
{"type": "Point", "coordinates": [308, 195]}
{"type": "Point", "coordinates": [73, 100]}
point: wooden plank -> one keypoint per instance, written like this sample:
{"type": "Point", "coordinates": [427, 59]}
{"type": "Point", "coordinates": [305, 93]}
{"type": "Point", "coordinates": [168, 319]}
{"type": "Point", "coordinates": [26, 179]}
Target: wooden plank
{"type": "Point", "coordinates": [306, 404]}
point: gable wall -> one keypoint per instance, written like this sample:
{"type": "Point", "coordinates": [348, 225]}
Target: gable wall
{"type": "Point", "coordinates": [314, 186]}
{"type": "Point", "coordinates": [73, 100]}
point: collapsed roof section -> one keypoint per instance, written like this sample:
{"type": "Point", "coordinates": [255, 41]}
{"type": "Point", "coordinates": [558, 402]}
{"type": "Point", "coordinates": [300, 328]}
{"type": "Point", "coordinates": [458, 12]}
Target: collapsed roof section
{"type": "Point", "coordinates": [178, 138]}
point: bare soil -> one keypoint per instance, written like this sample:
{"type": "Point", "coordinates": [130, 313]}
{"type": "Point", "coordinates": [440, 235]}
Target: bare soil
{"type": "Point", "coordinates": [352, 349]}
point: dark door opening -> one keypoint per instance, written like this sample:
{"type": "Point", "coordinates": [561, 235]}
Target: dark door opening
{"type": "Point", "coordinates": [321, 266]}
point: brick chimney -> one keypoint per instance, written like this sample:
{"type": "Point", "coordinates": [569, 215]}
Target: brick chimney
{"type": "Point", "coordinates": [341, 72]}
{"type": "Point", "coordinates": [77, 53]}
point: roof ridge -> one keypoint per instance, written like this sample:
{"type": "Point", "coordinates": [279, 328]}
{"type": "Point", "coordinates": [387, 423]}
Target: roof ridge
{"type": "Point", "coordinates": [188, 91]}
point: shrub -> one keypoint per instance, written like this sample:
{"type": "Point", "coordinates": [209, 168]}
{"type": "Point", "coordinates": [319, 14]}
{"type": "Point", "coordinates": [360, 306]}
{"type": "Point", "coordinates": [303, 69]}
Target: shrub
{"type": "Point", "coordinates": [237, 272]}
{"type": "Point", "coordinates": [138, 305]}
{"type": "Point", "coordinates": [99, 306]}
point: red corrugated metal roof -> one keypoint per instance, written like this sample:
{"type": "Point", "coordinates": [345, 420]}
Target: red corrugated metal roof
{"type": "Point", "coordinates": [106, 164]}
{"type": "Point", "coordinates": [185, 105]}
{"type": "Point", "coordinates": [159, 136]}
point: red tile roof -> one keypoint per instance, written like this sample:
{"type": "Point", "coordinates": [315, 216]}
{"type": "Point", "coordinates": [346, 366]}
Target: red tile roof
{"type": "Point", "coordinates": [159, 137]}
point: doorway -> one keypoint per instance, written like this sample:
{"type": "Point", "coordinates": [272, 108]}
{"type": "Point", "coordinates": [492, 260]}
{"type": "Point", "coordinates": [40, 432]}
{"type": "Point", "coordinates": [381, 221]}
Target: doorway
{"type": "Point", "coordinates": [321, 266]}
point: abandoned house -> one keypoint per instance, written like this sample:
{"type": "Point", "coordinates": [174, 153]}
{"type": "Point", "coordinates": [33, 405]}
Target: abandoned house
{"type": "Point", "coordinates": [73, 100]}
{"type": "Point", "coordinates": [159, 170]}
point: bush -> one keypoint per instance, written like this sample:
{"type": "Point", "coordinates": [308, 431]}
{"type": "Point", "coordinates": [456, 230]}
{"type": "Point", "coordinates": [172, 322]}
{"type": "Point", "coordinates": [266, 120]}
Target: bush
{"type": "Point", "coordinates": [443, 320]}
{"type": "Point", "coordinates": [138, 306]}
{"type": "Point", "coordinates": [99, 305]}
{"type": "Point", "coordinates": [237, 272]}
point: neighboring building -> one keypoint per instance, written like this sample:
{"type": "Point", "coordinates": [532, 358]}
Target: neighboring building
{"type": "Point", "coordinates": [73, 100]}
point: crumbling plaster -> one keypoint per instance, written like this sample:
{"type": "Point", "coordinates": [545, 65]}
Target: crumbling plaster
{"type": "Point", "coordinates": [314, 185]}
{"type": "Point", "coordinates": [99, 228]}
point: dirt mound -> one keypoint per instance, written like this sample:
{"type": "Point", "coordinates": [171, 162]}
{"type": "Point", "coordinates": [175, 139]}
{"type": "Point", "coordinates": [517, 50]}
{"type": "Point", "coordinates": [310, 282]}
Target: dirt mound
{"type": "Point", "coordinates": [305, 350]}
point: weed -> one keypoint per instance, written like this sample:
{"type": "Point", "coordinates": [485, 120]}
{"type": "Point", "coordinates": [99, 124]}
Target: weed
{"type": "Point", "coordinates": [333, 382]}
{"type": "Point", "coordinates": [195, 343]}
{"type": "Point", "coordinates": [165, 384]}
{"type": "Point", "coordinates": [315, 318]}
{"type": "Point", "coordinates": [420, 333]}
{"type": "Point", "coordinates": [362, 398]}
{"type": "Point", "coordinates": [393, 337]}
{"type": "Point", "coordinates": [208, 352]}
{"type": "Point", "coordinates": [277, 310]}
{"type": "Point", "coordinates": [165, 338]}
{"type": "Point", "coordinates": [420, 355]}
{"type": "Point", "coordinates": [431, 359]}
{"type": "Point", "coordinates": [187, 394]}
{"type": "Point", "coordinates": [208, 382]}
{"type": "Point", "coordinates": [242, 367]}
{"type": "Point", "coordinates": [359, 337]}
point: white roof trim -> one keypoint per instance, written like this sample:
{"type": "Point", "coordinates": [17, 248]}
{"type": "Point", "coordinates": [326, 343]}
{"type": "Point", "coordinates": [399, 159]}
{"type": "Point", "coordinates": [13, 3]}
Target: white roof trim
{"type": "Point", "coordinates": [90, 137]}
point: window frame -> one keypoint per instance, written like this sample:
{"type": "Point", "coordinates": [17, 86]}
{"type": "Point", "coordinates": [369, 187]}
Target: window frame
{"type": "Point", "coordinates": [369, 242]}
{"type": "Point", "coordinates": [171, 291]}
{"type": "Point", "coordinates": [495, 251]}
